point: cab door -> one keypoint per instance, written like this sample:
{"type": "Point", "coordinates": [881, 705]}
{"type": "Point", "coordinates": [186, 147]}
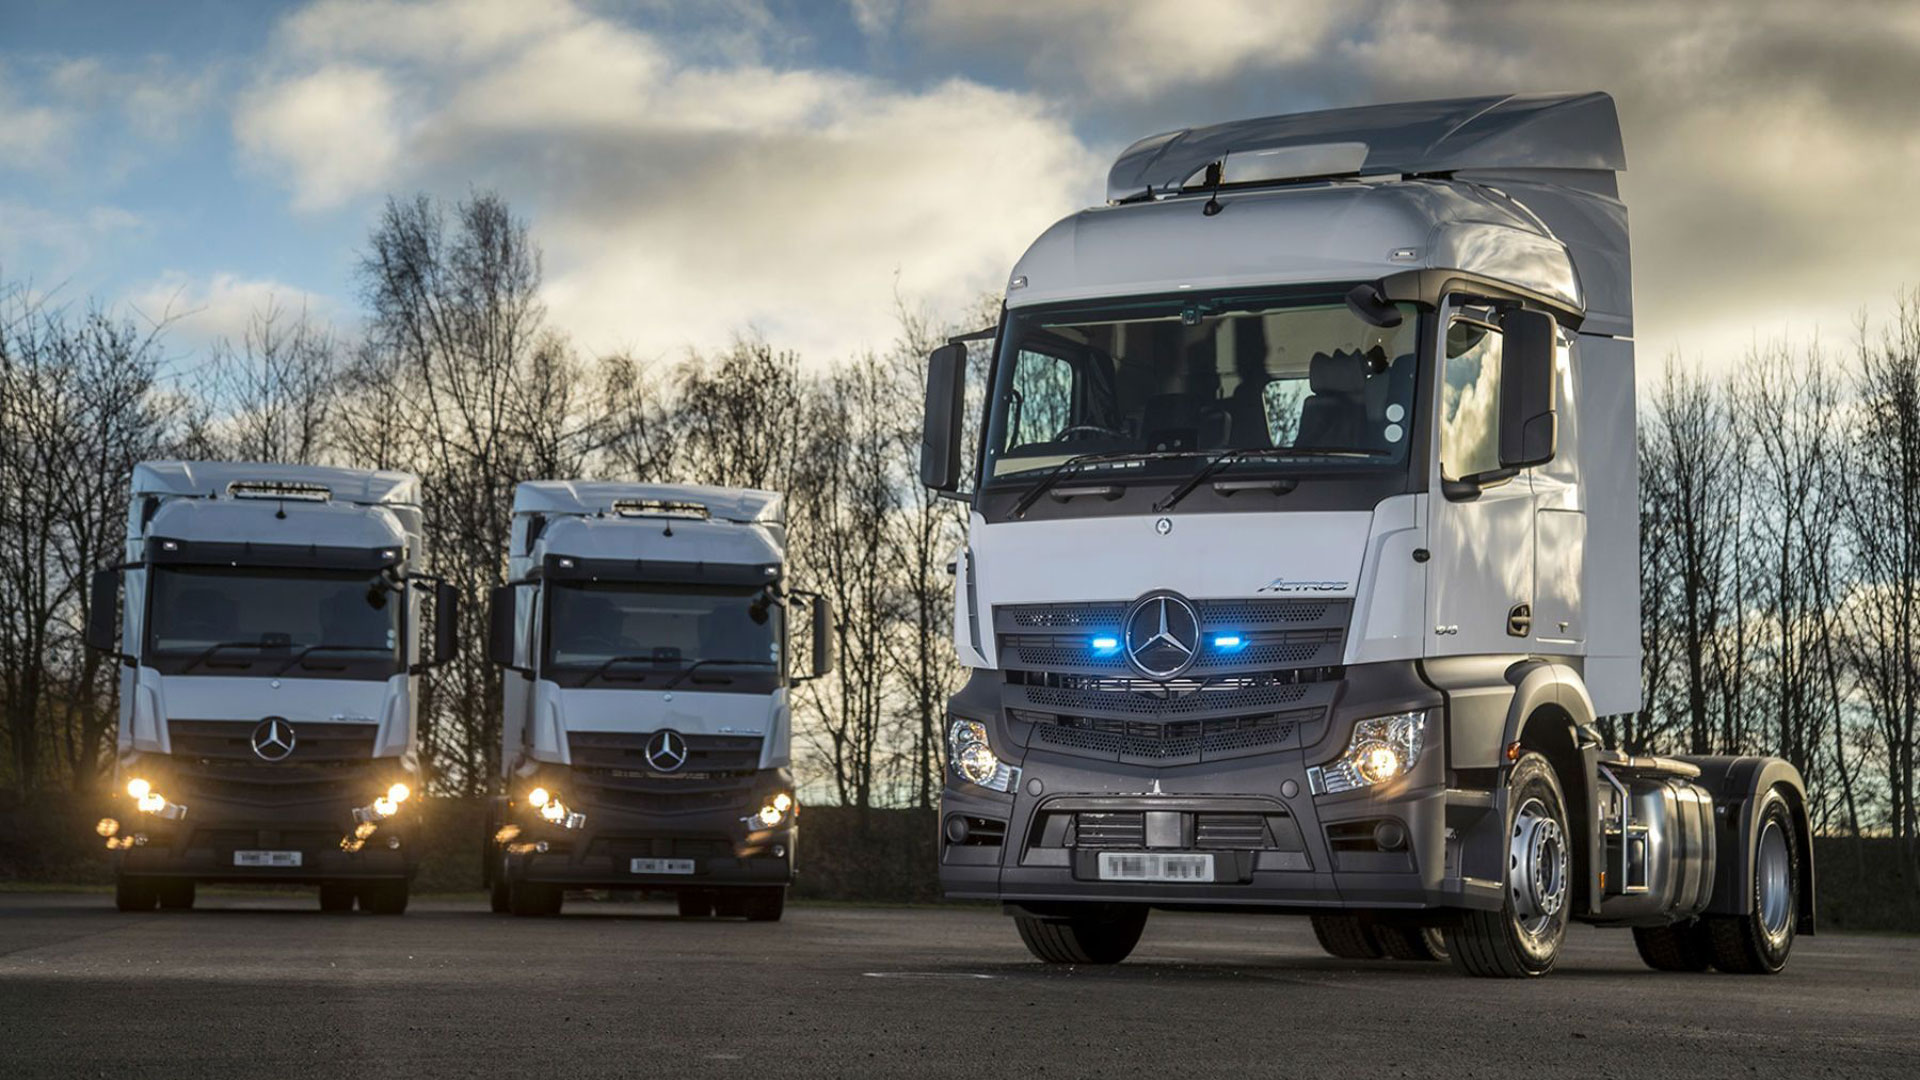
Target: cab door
{"type": "Point", "coordinates": [1480, 576]}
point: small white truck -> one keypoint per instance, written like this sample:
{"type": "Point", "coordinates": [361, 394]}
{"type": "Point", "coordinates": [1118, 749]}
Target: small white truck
{"type": "Point", "coordinates": [1302, 556]}
{"type": "Point", "coordinates": [647, 738]}
{"type": "Point", "coordinates": [268, 631]}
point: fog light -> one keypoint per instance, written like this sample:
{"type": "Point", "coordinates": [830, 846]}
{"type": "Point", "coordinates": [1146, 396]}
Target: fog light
{"type": "Point", "coordinates": [779, 851]}
{"type": "Point", "coordinates": [107, 827]}
{"type": "Point", "coordinates": [957, 829]}
{"type": "Point", "coordinates": [393, 843]}
{"type": "Point", "coordinates": [138, 788]}
{"type": "Point", "coordinates": [506, 834]}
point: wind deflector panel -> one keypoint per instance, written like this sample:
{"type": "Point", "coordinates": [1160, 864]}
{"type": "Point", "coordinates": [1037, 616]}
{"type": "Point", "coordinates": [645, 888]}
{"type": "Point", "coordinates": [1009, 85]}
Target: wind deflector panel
{"type": "Point", "coordinates": [659, 571]}
{"type": "Point", "coordinates": [168, 550]}
{"type": "Point", "coordinates": [1514, 131]}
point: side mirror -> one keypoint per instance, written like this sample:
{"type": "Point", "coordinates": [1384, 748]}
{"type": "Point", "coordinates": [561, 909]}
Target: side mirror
{"type": "Point", "coordinates": [940, 434]}
{"type": "Point", "coordinates": [103, 627]}
{"type": "Point", "coordinates": [1529, 389]}
{"type": "Point", "coordinates": [500, 625]}
{"type": "Point", "coordinates": [446, 623]}
{"type": "Point", "coordinates": [822, 636]}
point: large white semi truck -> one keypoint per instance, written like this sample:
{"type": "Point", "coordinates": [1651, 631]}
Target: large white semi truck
{"type": "Point", "coordinates": [647, 737]}
{"type": "Point", "coordinates": [1302, 557]}
{"type": "Point", "coordinates": [270, 651]}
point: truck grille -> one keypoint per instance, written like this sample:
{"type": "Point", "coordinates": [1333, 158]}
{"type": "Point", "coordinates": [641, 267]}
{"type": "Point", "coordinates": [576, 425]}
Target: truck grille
{"type": "Point", "coordinates": [611, 769]}
{"type": "Point", "coordinates": [1112, 738]}
{"type": "Point", "coordinates": [214, 760]}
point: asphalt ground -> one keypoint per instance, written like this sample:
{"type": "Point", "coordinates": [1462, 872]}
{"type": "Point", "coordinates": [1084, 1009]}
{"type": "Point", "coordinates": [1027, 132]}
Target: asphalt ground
{"type": "Point", "coordinates": [267, 986]}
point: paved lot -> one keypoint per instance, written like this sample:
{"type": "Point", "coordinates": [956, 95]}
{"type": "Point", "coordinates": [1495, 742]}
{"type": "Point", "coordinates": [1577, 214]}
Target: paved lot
{"type": "Point", "coordinates": [267, 986]}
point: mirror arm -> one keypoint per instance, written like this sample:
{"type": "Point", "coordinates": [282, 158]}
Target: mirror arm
{"type": "Point", "coordinates": [1469, 487]}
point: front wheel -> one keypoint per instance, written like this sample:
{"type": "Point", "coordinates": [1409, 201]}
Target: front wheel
{"type": "Point", "coordinates": [135, 894]}
{"type": "Point", "coordinates": [175, 894]}
{"type": "Point", "coordinates": [1523, 938]}
{"type": "Point", "coordinates": [385, 897]}
{"type": "Point", "coordinates": [336, 899]}
{"type": "Point", "coordinates": [765, 905]}
{"type": "Point", "coordinates": [1758, 942]}
{"type": "Point", "coordinates": [1347, 937]}
{"type": "Point", "coordinates": [694, 903]}
{"type": "Point", "coordinates": [497, 898]}
{"type": "Point", "coordinates": [1089, 934]}
{"type": "Point", "coordinates": [1424, 944]}
{"type": "Point", "coordinates": [1681, 946]}
{"type": "Point", "coordinates": [534, 898]}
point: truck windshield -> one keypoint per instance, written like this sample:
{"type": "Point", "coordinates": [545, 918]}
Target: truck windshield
{"type": "Point", "coordinates": [272, 621]}
{"type": "Point", "coordinates": [658, 635]}
{"type": "Point", "coordinates": [1310, 384]}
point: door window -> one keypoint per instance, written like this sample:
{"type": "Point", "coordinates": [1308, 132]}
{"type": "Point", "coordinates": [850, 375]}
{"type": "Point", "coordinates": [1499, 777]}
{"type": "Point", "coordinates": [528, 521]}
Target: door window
{"type": "Point", "coordinates": [1470, 400]}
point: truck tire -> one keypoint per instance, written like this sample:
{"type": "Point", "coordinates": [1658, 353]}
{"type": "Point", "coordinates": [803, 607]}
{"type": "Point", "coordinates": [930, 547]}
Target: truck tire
{"type": "Point", "coordinates": [765, 905]}
{"type": "Point", "coordinates": [1523, 938]}
{"type": "Point", "coordinates": [1681, 946]}
{"type": "Point", "coordinates": [1348, 937]}
{"type": "Point", "coordinates": [336, 898]}
{"type": "Point", "coordinates": [730, 903]}
{"type": "Point", "coordinates": [175, 894]}
{"type": "Point", "coordinates": [694, 903]}
{"type": "Point", "coordinates": [134, 894]}
{"type": "Point", "coordinates": [384, 897]}
{"type": "Point", "coordinates": [497, 898]}
{"type": "Point", "coordinates": [1758, 942]}
{"type": "Point", "coordinates": [1094, 934]}
{"type": "Point", "coordinates": [1424, 944]}
{"type": "Point", "coordinates": [534, 898]}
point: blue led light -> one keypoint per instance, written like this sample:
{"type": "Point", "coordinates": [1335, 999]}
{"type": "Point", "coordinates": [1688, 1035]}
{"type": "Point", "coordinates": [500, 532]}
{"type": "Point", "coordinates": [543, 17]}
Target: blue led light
{"type": "Point", "coordinates": [1228, 641]}
{"type": "Point", "coordinates": [1106, 644]}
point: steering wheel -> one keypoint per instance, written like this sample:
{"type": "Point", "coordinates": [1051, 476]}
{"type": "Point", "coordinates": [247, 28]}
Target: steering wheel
{"type": "Point", "coordinates": [1094, 429]}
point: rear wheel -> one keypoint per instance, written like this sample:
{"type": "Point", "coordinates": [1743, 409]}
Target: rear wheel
{"type": "Point", "coordinates": [1089, 934]}
{"type": "Point", "coordinates": [1418, 943]}
{"type": "Point", "coordinates": [135, 894]}
{"type": "Point", "coordinates": [1523, 938]}
{"type": "Point", "coordinates": [336, 898]}
{"type": "Point", "coordinates": [1346, 936]}
{"type": "Point", "coordinates": [765, 905]}
{"type": "Point", "coordinates": [694, 903]}
{"type": "Point", "coordinates": [534, 898]}
{"type": "Point", "coordinates": [175, 894]}
{"type": "Point", "coordinates": [1758, 942]}
{"type": "Point", "coordinates": [1681, 946]}
{"type": "Point", "coordinates": [384, 897]}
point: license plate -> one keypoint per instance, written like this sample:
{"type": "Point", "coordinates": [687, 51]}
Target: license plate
{"type": "Point", "coordinates": [266, 858]}
{"type": "Point", "coordinates": [662, 866]}
{"type": "Point", "coordinates": [1140, 866]}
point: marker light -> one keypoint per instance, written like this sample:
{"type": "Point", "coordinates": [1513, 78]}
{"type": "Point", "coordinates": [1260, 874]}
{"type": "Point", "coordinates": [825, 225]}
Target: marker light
{"type": "Point", "coordinates": [538, 797]}
{"type": "Point", "coordinates": [107, 826]}
{"type": "Point", "coordinates": [399, 793]}
{"type": "Point", "coordinates": [1105, 644]}
{"type": "Point", "coordinates": [1228, 641]}
{"type": "Point", "coordinates": [138, 788]}
{"type": "Point", "coordinates": [1383, 748]}
{"type": "Point", "coordinates": [364, 830]}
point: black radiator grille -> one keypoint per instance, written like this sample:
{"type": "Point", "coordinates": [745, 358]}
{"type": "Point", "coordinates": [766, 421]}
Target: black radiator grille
{"type": "Point", "coordinates": [1110, 830]}
{"type": "Point", "coordinates": [611, 769]}
{"type": "Point", "coordinates": [1230, 832]}
{"type": "Point", "coordinates": [1100, 737]}
{"type": "Point", "coordinates": [214, 760]}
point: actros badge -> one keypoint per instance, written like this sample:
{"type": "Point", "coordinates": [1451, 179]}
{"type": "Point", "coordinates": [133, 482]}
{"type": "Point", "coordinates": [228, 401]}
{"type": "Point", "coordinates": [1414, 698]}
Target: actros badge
{"type": "Point", "coordinates": [1163, 635]}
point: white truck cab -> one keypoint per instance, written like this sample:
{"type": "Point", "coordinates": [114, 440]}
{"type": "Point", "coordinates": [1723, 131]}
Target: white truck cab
{"type": "Point", "coordinates": [1303, 552]}
{"type": "Point", "coordinates": [270, 650]}
{"type": "Point", "coordinates": [647, 738]}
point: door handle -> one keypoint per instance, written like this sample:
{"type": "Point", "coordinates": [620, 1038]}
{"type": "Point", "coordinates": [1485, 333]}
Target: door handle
{"type": "Point", "coordinates": [1520, 620]}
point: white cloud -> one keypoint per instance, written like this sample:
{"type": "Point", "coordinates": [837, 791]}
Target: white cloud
{"type": "Point", "coordinates": [333, 132]}
{"type": "Point", "coordinates": [200, 311]}
{"type": "Point", "coordinates": [678, 202]}
{"type": "Point", "coordinates": [54, 246]}
{"type": "Point", "coordinates": [33, 136]}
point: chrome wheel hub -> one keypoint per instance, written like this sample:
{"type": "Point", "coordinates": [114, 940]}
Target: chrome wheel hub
{"type": "Point", "coordinates": [1773, 881]}
{"type": "Point", "coordinates": [1537, 869]}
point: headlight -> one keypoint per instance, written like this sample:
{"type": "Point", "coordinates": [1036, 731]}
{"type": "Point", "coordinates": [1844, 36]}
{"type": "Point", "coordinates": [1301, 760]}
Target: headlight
{"type": "Point", "coordinates": [138, 788]}
{"type": "Point", "coordinates": [772, 814]}
{"type": "Point", "coordinates": [974, 761]}
{"type": "Point", "coordinates": [538, 797]}
{"type": "Point", "coordinates": [385, 807]}
{"type": "Point", "coordinates": [1382, 748]}
{"type": "Point", "coordinates": [553, 809]}
{"type": "Point", "coordinates": [399, 793]}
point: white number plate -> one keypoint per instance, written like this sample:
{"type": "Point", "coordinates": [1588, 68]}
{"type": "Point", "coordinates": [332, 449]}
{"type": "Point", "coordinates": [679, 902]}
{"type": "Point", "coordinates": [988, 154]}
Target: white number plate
{"type": "Point", "coordinates": [1140, 866]}
{"type": "Point", "coordinates": [662, 866]}
{"type": "Point", "coordinates": [266, 858]}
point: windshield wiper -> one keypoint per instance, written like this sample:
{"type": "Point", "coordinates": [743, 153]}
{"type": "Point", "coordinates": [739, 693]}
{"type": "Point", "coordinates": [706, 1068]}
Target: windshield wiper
{"type": "Point", "coordinates": [1229, 457]}
{"type": "Point", "coordinates": [601, 671]}
{"type": "Point", "coordinates": [698, 664]}
{"type": "Point", "coordinates": [301, 656]}
{"type": "Point", "coordinates": [208, 652]}
{"type": "Point", "coordinates": [1045, 483]}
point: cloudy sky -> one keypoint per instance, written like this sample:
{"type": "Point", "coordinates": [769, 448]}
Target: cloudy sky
{"type": "Point", "coordinates": [788, 167]}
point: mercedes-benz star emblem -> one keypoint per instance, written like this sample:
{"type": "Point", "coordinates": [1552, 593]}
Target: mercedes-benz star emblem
{"type": "Point", "coordinates": [1163, 526]}
{"type": "Point", "coordinates": [667, 750]}
{"type": "Point", "coordinates": [273, 739]}
{"type": "Point", "coordinates": [1163, 635]}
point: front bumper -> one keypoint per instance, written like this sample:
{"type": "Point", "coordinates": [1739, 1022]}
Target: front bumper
{"type": "Point", "coordinates": [206, 843]}
{"type": "Point", "coordinates": [626, 843]}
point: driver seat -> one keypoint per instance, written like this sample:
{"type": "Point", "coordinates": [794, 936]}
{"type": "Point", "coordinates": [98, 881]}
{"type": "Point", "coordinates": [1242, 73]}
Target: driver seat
{"type": "Point", "coordinates": [1335, 413]}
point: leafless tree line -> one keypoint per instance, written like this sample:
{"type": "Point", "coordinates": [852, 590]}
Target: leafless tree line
{"type": "Point", "coordinates": [1780, 567]}
{"type": "Point", "coordinates": [1780, 508]}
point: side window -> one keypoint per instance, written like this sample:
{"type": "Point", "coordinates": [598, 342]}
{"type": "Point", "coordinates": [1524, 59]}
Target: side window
{"type": "Point", "coordinates": [1043, 398]}
{"type": "Point", "coordinates": [1283, 400]}
{"type": "Point", "coordinates": [1470, 401]}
